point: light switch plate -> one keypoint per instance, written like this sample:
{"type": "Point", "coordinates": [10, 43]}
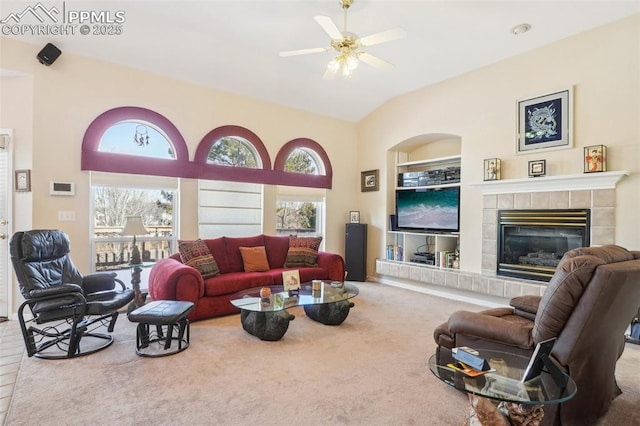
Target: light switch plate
{"type": "Point", "coordinates": [66, 216]}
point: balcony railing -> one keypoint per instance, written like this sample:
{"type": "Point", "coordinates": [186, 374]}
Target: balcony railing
{"type": "Point", "coordinates": [112, 253]}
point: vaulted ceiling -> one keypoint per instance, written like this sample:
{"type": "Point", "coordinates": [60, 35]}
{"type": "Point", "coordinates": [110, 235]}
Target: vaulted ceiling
{"type": "Point", "coordinates": [233, 45]}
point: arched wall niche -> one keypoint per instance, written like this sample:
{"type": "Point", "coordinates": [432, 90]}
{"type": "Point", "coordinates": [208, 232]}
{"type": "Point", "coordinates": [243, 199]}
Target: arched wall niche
{"type": "Point", "coordinates": [429, 145]}
{"type": "Point", "coordinates": [423, 147]}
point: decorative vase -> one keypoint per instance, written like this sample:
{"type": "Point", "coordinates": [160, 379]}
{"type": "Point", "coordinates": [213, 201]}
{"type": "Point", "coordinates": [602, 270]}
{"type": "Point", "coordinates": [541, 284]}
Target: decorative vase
{"type": "Point", "coordinates": [265, 292]}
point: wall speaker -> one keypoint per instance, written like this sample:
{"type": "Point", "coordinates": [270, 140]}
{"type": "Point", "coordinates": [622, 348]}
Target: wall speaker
{"type": "Point", "coordinates": [48, 54]}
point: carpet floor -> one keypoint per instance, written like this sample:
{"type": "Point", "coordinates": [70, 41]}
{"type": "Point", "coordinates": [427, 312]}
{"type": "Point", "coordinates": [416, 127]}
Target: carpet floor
{"type": "Point", "coordinates": [371, 370]}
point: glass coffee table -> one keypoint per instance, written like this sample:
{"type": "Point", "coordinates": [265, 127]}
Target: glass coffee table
{"type": "Point", "coordinates": [267, 317]}
{"type": "Point", "coordinates": [501, 395]}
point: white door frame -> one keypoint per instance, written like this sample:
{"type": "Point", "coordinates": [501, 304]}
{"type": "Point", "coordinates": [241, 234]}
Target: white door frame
{"type": "Point", "coordinates": [6, 280]}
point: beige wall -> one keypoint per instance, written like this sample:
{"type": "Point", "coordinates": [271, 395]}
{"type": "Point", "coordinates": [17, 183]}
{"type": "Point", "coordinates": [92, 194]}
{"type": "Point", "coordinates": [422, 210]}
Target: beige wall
{"type": "Point", "coordinates": [603, 67]}
{"type": "Point", "coordinates": [58, 103]}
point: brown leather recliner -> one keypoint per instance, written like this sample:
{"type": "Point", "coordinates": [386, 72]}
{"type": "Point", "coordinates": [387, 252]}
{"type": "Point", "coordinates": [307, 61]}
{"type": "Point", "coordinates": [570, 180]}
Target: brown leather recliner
{"type": "Point", "coordinates": [587, 305]}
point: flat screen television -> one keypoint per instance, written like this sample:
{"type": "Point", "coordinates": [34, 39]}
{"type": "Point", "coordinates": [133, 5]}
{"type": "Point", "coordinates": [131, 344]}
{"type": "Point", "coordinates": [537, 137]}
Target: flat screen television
{"type": "Point", "coordinates": [428, 209]}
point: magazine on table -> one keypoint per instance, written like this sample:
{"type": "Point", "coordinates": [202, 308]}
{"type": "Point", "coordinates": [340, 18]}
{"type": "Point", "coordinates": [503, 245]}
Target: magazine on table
{"type": "Point", "coordinates": [467, 370]}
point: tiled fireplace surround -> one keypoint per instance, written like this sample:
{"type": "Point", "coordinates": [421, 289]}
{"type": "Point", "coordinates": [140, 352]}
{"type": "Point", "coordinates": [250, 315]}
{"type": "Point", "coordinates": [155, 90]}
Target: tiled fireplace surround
{"type": "Point", "coordinates": [593, 191]}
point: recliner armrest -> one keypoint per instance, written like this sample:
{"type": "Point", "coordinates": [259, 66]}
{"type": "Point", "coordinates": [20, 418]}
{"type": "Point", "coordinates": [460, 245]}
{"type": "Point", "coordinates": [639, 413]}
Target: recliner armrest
{"type": "Point", "coordinates": [490, 325]}
{"type": "Point", "coordinates": [526, 306]}
{"type": "Point", "coordinates": [55, 290]}
{"type": "Point", "coordinates": [99, 281]}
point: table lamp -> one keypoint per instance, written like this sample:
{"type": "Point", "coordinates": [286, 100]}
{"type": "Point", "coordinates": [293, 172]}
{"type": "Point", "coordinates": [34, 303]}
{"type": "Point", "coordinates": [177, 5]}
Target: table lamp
{"type": "Point", "coordinates": [133, 226]}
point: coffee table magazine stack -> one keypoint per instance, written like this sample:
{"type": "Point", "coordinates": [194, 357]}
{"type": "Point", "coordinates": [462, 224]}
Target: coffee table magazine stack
{"type": "Point", "coordinates": [267, 317]}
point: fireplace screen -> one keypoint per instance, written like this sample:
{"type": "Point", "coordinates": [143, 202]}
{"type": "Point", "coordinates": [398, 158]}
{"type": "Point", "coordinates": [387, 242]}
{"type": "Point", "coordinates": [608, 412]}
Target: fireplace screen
{"type": "Point", "coordinates": [532, 242]}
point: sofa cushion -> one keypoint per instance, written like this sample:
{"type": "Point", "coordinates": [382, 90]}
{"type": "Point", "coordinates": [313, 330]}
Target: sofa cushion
{"type": "Point", "coordinates": [254, 259]}
{"type": "Point", "coordinates": [313, 273]}
{"type": "Point", "coordinates": [197, 255]}
{"type": "Point", "coordinates": [303, 251]}
{"type": "Point", "coordinates": [277, 247]}
{"type": "Point", "coordinates": [306, 274]}
{"type": "Point", "coordinates": [233, 282]}
{"type": "Point", "coordinates": [218, 249]}
{"type": "Point", "coordinates": [233, 244]}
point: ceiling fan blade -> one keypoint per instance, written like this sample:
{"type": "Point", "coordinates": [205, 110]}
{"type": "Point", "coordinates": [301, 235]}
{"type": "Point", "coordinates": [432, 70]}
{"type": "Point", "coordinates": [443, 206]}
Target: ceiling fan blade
{"type": "Point", "coordinates": [330, 28]}
{"type": "Point", "coordinates": [383, 37]}
{"type": "Point", "coordinates": [374, 61]}
{"type": "Point", "coordinates": [303, 51]}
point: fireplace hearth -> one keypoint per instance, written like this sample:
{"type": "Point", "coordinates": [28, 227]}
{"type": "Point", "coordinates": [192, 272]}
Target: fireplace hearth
{"type": "Point", "coordinates": [532, 242]}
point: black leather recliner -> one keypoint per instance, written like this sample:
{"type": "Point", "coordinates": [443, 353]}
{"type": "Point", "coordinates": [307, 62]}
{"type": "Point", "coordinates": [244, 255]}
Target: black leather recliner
{"type": "Point", "coordinates": [66, 308]}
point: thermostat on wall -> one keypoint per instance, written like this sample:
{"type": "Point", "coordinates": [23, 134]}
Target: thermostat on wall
{"type": "Point", "coordinates": [62, 188]}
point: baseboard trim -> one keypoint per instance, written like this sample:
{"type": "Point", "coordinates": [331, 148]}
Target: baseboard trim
{"type": "Point", "coordinates": [444, 292]}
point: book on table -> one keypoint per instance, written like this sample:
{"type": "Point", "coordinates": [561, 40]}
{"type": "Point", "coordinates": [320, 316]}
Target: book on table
{"type": "Point", "coordinates": [470, 357]}
{"type": "Point", "coordinates": [467, 370]}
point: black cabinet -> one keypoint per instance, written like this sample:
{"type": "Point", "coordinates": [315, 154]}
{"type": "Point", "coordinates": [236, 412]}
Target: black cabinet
{"type": "Point", "coordinates": [355, 249]}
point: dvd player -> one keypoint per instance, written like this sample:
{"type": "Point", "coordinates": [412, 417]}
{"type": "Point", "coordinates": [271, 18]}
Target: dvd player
{"type": "Point", "coordinates": [421, 257]}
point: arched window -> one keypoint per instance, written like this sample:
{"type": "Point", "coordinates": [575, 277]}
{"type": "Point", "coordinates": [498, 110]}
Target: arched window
{"type": "Point", "coordinates": [304, 160]}
{"type": "Point", "coordinates": [233, 166]}
{"type": "Point", "coordinates": [237, 147]}
{"type": "Point", "coordinates": [143, 153]}
{"type": "Point", "coordinates": [234, 151]}
{"type": "Point", "coordinates": [137, 137]}
{"type": "Point", "coordinates": [137, 141]}
{"type": "Point", "coordinates": [300, 206]}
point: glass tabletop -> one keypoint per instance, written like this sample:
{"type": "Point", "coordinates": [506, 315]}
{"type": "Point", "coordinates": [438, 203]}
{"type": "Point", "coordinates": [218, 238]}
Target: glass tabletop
{"type": "Point", "coordinates": [330, 292]}
{"type": "Point", "coordinates": [504, 382]}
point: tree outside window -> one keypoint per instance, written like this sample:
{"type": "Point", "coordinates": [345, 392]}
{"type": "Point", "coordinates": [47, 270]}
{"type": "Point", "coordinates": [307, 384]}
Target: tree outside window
{"type": "Point", "coordinates": [301, 161]}
{"type": "Point", "coordinates": [233, 151]}
{"type": "Point", "coordinates": [112, 205]}
{"type": "Point", "coordinates": [300, 217]}
{"type": "Point", "coordinates": [295, 217]}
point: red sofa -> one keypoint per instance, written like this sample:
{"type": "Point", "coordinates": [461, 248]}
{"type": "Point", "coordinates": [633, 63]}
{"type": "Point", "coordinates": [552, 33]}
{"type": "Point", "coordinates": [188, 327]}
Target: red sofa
{"type": "Point", "coordinates": [170, 279]}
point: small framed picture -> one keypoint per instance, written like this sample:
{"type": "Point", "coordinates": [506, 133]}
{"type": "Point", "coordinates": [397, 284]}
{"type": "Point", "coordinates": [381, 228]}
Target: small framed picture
{"type": "Point", "coordinates": [291, 280]}
{"type": "Point", "coordinates": [595, 158]}
{"type": "Point", "coordinates": [369, 180]}
{"type": "Point", "coordinates": [354, 217]}
{"type": "Point", "coordinates": [23, 180]}
{"type": "Point", "coordinates": [537, 168]}
{"type": "Point", "coordinates": [492, 169]}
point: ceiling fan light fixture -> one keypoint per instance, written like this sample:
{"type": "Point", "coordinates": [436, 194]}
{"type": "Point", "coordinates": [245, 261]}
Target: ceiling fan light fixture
{"type": "Point", "coordinates": [334, 64]}
{"type": "Point", "coordinates": [352, 62]}
{"type": "Point", "coordinates": [348, 45]}
{"type": "Point", "coordinates": [346, 63]}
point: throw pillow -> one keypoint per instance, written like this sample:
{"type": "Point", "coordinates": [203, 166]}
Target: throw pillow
{"type": "Point", "coordinates": [197, 255]}
{"type": "Point", "coordinates": [303, 251]}
{"type": "Point", "coordinates": [254, 259]}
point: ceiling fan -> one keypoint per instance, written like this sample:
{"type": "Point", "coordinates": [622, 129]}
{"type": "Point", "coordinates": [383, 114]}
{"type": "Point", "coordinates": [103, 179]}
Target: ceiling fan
{"type": "Point", "coordinates": [348, 45]}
